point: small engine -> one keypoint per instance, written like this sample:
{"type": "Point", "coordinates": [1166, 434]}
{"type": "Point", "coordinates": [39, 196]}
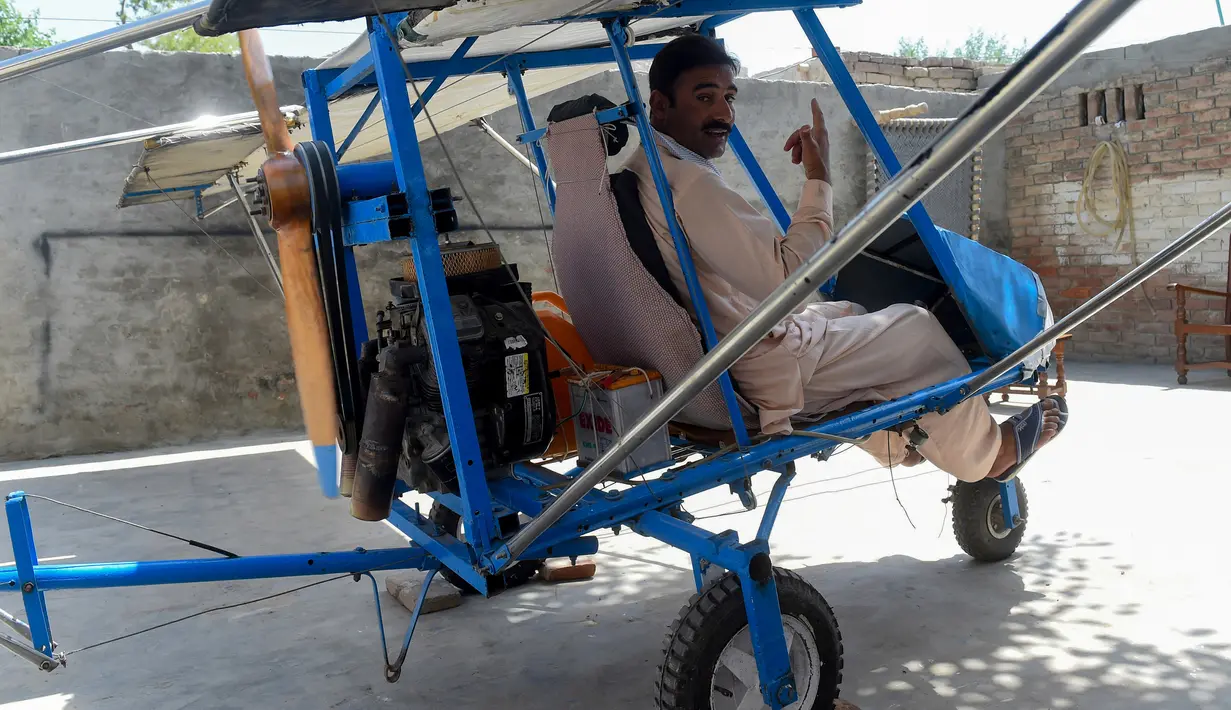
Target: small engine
{"type": "Point", "coordinates": [504, 360]}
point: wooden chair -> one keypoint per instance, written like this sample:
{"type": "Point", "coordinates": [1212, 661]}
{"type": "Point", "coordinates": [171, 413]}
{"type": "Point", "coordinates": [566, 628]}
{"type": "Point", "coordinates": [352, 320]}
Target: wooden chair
{"type": "Point", "coordinates": [1183, 329]}
{"type": "Point", "coordinates": [1043, 389]}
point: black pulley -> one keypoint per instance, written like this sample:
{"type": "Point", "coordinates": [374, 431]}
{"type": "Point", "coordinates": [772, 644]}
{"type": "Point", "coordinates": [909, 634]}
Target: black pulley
{"type": "Point", "coordinates": [317, 159]}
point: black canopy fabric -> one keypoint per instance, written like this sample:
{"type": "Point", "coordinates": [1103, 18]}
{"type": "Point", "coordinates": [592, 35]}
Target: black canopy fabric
{"type": "Point", "coordinates": [225, 16]}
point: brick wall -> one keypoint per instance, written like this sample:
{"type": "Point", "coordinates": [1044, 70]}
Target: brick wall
{"type": "Point", "coordinates": [1175, 126]}
{"type": "Point", "coordinates": [941, 73]}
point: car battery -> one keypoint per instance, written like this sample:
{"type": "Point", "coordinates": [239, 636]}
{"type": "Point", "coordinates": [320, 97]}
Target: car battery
{"type": "Point", "coordinates": [606, 404]}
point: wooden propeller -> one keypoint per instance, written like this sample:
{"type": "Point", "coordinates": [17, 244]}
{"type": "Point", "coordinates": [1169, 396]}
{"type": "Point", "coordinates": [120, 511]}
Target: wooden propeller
{"type": "Point", "coordinates": [289, 207]}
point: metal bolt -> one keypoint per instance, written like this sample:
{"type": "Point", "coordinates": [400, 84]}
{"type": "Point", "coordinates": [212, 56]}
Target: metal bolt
{"type": "Point", "coordinates": [1017, 520]}
{"type": "Point", "coordinates": [499, 316]}
{"type": "Point", "coordinates": [786, 694]}
{"type": "Point", "coordinates": [45, 666]}
{"type": "Point", "coordinates": [28, 587]}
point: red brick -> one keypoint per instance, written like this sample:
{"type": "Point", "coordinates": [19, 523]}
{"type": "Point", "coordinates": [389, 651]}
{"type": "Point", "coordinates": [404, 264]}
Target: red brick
{"type": "Point", "coordinates": [1049, 115]}
{"type": "Point", "coordinates": [1020, 141]}
{"type": "Point", "coordinates": [1175, 97]}
{"type": "Point", "coordinates": [1154, 133]}
{"type": "Point", "coordinates": [1034, 129]}
{"type": "Point", "coordinates": [1062, 123]}
{"type": "Point", "coordinates": [1142, 170]}
{"type": "Point", "coordinates": [1160, 86]}
{"type": "Point", "coordinates": [1074, 175]}
{"type": "Point", "coordinates": [1177, 167]}
{"type": "Point", "coordinates": [1197, 153]}
{"type": "Point", "coordinates": [1223, 101]}
{"type": "Point", "coordinates": [1136, 125]}
{"type": "Point", "coordinates": [1214, 114]}
{"type": "Point", "coordinates": [1226, 149]}
{"type": "Point", "coordinates": [1050, 157]}
{"type": "Point", "coordinates": [1192, 129]}
{"type": "Point", "coordinates": [1180, 143]}
{"type": "Point", "coordinates": [1222, 78]}
{"type": "Point", "coordinates": [1145, 146]}
{"type": "Point", "coordinates": [1194, 81]}
{"type": "Point", "coordinates": [1076, 132]}
{"type": "Point", "coordinates": [1218, 163]}
{"type": "Point", "coordinates": [1012, 131]}
{"type": "Point", "coordinates": [1215, 90]}
{"type": "Point", "coordinates": [1160, 111]}
{"type": "Point", "coordinates": [1178, 119]}
{"type": "Point", "coordinates": [1165, 155]}
{"type": "Point", "coordinates": [1196, 105]}
{"type": "Point", "coordinates": [1175, 73]}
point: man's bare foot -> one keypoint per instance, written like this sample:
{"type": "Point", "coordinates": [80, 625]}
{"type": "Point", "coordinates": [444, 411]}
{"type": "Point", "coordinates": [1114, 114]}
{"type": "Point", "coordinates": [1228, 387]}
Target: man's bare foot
{"type": "Point", "coordinates": [1007, 456]}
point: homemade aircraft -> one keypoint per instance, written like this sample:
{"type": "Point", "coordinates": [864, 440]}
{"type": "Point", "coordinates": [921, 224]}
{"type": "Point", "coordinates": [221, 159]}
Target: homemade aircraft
{"type": "Point", "coordinates": [471, 380]}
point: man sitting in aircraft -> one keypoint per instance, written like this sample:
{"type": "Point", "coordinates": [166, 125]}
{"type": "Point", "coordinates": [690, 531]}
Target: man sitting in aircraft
{"type": "Point", "coordinates": [826, 355]}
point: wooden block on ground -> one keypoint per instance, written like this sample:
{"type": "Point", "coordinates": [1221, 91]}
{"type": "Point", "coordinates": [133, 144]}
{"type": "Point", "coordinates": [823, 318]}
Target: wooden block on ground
{"type": "Point", "coordinates": [560, 570]}
{"type": "Point", "coordinates": [405, 586]}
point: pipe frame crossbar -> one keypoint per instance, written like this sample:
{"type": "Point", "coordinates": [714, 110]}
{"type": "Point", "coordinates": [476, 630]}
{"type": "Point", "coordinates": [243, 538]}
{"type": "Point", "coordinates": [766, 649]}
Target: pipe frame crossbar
{"type": "Point", "coordinates": [563, 519]}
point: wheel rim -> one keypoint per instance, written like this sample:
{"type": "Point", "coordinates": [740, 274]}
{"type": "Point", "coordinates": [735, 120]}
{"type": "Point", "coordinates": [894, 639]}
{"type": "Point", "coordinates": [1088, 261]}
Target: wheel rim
{"type": "Point", "coordinates": [995, 520]}
{"type": "Point", "coordinates": [735, 684]}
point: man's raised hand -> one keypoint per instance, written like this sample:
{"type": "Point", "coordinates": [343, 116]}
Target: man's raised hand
{"type": "Point", "coordinates": [810, 145]}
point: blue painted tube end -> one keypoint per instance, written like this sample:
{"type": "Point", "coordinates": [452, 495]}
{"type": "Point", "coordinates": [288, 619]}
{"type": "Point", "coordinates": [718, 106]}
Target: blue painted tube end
{"type": "Point", "coordinates": [327, 470]}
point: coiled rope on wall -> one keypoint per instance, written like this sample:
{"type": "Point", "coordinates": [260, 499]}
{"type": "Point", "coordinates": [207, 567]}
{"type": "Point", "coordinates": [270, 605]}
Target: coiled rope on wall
{"type": "Point", "coordinates": [1088, 217]}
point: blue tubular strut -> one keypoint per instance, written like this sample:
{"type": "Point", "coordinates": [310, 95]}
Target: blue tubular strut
{"type": "Point", "coordinates": [760, 594]}
{"type": "Point", "coordinates": [480, 523]}
{"type": "Point", "coordinates": [518, 89]}
{"type": "Point", "coordinates": [318, 110]}
{"type": "Point", "coordinates": [875, 137]}
{"type": "Point", "coordinates": [760, 181]}
{"type": "Point", "coordinates": [486, 64]}
{"type": "Point", "coordinates": [25, 578]}
{"type": "Point", "coordinates": [354, 132]}
{"type": "Point", "coordinates": [427, 94]}
{"type": "Point", "coordinates": [616, 32]}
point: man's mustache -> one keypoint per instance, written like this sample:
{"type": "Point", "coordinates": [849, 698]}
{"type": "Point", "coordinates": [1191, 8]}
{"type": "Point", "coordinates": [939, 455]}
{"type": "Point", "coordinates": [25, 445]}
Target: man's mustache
{"type": "Point", "coordinates": [716, 126]}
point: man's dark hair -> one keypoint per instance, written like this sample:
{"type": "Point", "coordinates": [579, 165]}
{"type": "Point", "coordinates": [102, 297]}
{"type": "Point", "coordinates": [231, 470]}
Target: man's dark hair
{"type": "Point", "coordinates": [682, 54]}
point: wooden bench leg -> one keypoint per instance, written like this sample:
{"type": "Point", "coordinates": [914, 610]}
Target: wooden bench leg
{"type": "Point", "coordinates": [1181, 337]}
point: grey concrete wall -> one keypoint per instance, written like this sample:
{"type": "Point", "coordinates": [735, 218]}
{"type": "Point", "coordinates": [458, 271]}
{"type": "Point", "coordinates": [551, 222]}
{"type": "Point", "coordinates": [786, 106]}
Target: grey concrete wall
{"type": "Point", "coordinates": [1180, 51]}
{"type": "Point", "coordinates": [128, 328]}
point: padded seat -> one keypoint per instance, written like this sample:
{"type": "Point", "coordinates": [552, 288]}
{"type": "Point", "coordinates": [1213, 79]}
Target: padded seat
{"type": "Point", "coordinates": [624, 313]}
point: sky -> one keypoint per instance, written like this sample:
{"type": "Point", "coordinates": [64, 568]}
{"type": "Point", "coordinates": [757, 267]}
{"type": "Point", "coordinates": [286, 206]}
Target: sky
{"type": "Point", "coordinates": [769, 40]}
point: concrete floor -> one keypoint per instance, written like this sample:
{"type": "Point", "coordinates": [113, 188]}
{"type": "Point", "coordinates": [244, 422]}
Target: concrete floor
{"type": "Point", "coordinates": [1116, 600]}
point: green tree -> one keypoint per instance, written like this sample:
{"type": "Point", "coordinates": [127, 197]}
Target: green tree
{"type": "Point", "coordinates": [915, 48]}
{"type": "Point", "coordinates": [983, 47]}
{"type": "Point", "coordinates": [185, 40]}
{"type": "Point", "coordinates": [978, 46]}
{"type": "Point", "coordinates": [18, 30]}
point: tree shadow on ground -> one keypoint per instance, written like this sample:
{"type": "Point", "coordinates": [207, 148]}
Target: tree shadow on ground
{"type": "Point", "coordinates": [1028, 633]}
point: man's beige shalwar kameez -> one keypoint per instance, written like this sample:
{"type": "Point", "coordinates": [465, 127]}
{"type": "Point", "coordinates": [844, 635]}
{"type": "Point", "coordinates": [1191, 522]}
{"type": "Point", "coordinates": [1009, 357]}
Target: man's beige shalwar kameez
{"type": "Point", "coordinates": [826, 354]}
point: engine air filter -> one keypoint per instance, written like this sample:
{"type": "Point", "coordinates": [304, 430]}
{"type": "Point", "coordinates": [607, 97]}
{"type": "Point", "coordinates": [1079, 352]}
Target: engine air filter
{"type": "Point", "coordinates": [459, 259]}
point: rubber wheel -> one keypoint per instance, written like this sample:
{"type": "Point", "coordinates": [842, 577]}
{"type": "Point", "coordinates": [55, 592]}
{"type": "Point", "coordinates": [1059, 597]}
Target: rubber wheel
{"type": "Point", "coordinates": [1183, 379]}
{"type": "Point", "coordinates": [714, 621]}
{"type": "Point", "coordinates": [978, 520]}
{"type": "Point", "coordinates": [516, 575]}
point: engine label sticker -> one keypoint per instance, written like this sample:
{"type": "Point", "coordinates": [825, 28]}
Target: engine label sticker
{"type": "Point", "coordinates": [516, 343]}
{"type": "Point", "coordinates": [516, 375]}
{"type": "Point", "coordinates": [534, 417]}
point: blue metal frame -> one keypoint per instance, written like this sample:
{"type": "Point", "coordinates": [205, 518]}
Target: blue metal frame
{"type": "Point", "coordinates": [479, 522]}
{"type": "Point", "coordinates": [374, 192]}
{"type": "Point", "coordinates": [518, 88]}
